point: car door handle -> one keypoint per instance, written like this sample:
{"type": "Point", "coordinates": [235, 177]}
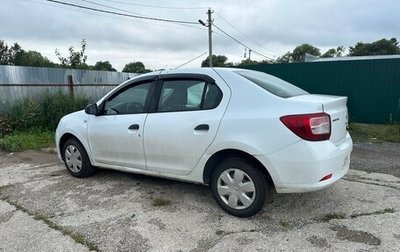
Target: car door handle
{"type": "Point", "coordinates": [134, 127]}
{"type": "Point", "coordinates": [204, 127]}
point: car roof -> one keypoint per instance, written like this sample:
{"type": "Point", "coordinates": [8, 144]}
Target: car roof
{"type": "Point", "coordinates": [198, 70]}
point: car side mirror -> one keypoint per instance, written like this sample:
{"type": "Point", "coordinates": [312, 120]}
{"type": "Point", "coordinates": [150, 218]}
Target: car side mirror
{"type": "Point", "coordinates": [91, 109]}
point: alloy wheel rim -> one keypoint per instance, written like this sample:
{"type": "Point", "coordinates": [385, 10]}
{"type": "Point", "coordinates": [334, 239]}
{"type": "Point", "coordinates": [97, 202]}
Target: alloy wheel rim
{"type": "Point", "coordinates": [236, 188]}
{"type": "Point", "coordinates": [73, 159]}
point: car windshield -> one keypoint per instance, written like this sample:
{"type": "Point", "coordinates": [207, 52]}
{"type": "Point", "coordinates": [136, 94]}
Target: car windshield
{"type": "Point", "coordinates": [272, 84]}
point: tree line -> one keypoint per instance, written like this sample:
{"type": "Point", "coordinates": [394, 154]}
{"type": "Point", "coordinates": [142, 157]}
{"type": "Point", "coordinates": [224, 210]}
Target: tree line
{"type": "Point", "coordinates": [15, 55]}
{"type": "Point", "coordinates": [379, 47]}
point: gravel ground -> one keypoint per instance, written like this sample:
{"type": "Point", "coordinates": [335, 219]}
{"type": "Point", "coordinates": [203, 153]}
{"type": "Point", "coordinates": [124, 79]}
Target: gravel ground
{"type": "Point", "coordinates": [43, 208]}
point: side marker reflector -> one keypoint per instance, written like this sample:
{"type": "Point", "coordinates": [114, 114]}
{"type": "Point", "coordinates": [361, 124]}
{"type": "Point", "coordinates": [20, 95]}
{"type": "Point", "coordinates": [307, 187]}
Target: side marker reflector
{"type": "Point", "coordinates": [326, 177]}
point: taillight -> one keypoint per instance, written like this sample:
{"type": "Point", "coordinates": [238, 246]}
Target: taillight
{"type": "Point", "coordinates": [311, 127]}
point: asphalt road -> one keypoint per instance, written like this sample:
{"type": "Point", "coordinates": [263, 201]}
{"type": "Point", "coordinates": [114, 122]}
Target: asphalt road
{"type": "Point", "coordinates": [378, 157]}
{"type": "Point", "coordinates": [43, 208]}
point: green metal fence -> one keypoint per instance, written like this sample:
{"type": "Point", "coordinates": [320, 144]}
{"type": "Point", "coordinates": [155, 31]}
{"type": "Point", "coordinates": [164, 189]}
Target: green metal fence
{"type": "Point", "coordinates": [372, 86]}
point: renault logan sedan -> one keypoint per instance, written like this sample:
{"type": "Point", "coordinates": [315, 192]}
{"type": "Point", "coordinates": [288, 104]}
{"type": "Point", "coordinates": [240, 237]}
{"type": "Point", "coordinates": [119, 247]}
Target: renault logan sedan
{"type": "Point", "coordinates": [244, 133]}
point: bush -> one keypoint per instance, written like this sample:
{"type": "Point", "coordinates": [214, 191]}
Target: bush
{"type": "Point", "coordinates": [6, 123]}
{"type": "Point", "coordinates": [31, 123]}
{"type": "Point", "coordinates": [44, 112]}
{"type": "Point", "coordinates": [26, 114]}
{"type": "Point", "coordinates": [55, 106]}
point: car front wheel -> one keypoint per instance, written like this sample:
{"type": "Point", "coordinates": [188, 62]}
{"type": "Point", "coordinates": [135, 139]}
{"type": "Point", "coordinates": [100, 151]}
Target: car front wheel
{"type": "Point", "coordinates": [239, 187]}
{"type": "Point", "coordinates": [76, 159]}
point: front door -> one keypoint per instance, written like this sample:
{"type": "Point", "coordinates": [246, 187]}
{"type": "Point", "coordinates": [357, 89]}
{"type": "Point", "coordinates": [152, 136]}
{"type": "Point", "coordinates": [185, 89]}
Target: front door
{"type": "Point", "coordinates": [116, 135]}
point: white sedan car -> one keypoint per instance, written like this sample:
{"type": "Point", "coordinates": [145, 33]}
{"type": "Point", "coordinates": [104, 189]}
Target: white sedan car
{"type": "Point", "coordinates": [244, 133]}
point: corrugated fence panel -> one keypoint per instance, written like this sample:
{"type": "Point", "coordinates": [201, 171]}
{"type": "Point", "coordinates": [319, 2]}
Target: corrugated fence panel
{"type": "Point", "coordinates": [372, 86]}
{"type": "Point", "coordinates": [18, 82]}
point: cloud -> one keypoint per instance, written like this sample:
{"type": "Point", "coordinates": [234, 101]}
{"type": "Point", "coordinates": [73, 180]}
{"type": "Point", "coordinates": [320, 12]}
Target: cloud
{"type": "Point", "coordinates": [271, 27]}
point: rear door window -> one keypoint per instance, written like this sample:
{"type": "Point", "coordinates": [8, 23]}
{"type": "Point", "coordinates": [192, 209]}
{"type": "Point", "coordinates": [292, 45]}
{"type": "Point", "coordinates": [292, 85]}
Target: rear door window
{"type": "Point", "coordinates": [186, 95]}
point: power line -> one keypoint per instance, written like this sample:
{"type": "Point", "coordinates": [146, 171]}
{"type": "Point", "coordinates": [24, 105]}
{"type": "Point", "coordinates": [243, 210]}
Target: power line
{"type": "Point", "coordinates": [241, 33]}
{"type": "Point", "coordinates": [113, 8]}
{"type": "Point", "coordinates": [122, 14]}
{"type": "Point", "coordinates": [76, 10]}
{"type": "Point", "coordinates": [187, 62]}
{"type": "Point", "coordinates": [237, 41]}
{"type": "Point", "coordinates": [157, 6]}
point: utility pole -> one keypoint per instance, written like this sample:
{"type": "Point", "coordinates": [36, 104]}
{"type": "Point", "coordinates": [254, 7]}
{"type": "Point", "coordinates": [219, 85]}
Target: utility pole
{"type": "Point", "coordinates": [249, 54]}
{"type": "Point", "coordinates": [209, 25]}
{"type": "Point", "coordinates": [209, 21]}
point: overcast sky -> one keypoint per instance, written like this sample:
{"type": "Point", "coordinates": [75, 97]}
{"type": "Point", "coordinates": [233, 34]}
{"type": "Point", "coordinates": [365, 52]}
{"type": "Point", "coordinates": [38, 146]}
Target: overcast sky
{"type": "Point", "coordinates": [271, 27]}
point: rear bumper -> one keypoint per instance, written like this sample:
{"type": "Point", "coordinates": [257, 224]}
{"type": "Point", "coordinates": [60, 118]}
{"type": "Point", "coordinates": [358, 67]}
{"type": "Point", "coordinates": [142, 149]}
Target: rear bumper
{"type": "Point", "coordinates": [300, 166]}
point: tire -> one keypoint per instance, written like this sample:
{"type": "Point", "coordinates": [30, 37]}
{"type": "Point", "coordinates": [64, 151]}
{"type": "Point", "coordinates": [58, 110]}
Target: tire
{"type": "Point", "coordinates": [244, 196]}
{"type": "Point", "coordinates": [76, 159]}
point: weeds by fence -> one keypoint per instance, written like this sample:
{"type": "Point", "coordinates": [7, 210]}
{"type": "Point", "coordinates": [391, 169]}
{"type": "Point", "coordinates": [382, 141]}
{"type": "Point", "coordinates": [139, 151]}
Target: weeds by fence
{"type": "Point", "coordinates": [41, 112]}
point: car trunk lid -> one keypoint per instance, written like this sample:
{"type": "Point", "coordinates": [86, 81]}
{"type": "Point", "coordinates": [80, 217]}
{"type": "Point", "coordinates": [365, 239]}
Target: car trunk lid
{"type": "Point", "coordinates": [336, 107]}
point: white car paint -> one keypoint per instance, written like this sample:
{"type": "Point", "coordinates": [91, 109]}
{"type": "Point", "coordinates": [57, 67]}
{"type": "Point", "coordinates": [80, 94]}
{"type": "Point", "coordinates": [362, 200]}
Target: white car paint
{"type": "Point", "coordinates": [247, 119]}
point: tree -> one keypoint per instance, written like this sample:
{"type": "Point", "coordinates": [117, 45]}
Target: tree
{"type": "Point", "coordinates": [217, 61]}
{"type": "Point", "coordinates": [302, 49]}
{"type": "Point", "coordinates": [333, 52]}
{"type": "Point", "coordinates": [31, 58]}
{"type": "Point", "coordinates": [103, 66]}
{"type": "Point", "coordinates": [298, 53]}
{"type": "Point", "coordinates": [4, 53]}
{"type": "Point", "coordinates": [135, 67]}
{"type": "Point", "coordinates": [7, 54]}
{"type": "Point", "coordinates": [286, 58]}
{"type": "Point", "coordinates": [338, 52]}
{"type": "Point", "coordinates": [379, 47]}
{"type": "Point", "coordinates": [248, 62]}
{"type": "Point", "coordinates": [76, 59]}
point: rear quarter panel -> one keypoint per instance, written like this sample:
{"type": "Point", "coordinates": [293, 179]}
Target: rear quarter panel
{"type": "Point", "coordinates": [252, 120]}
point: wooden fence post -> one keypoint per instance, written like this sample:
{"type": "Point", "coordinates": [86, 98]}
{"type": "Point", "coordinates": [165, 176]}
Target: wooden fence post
{"type": "Point", "coordinates": [71, 85]}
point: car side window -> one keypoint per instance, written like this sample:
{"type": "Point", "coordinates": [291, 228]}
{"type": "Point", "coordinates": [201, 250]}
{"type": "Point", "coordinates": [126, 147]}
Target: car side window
{"type": "Point", "coordinates": [129, 101]}
{"type": "Point", "coordinates": [188, 95]}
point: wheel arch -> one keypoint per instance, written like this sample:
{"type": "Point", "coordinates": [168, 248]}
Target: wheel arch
{"type": "Point", "coordinates": [64, 138]}
{"type": "Point", "coordinates": [217, 157]}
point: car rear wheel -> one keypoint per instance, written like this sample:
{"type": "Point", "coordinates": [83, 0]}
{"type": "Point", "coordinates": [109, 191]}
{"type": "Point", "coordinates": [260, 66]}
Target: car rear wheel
{"type": "Point", "coordinates": [76, 159]}
{"type": "Point", "coordinates": [239, 187]}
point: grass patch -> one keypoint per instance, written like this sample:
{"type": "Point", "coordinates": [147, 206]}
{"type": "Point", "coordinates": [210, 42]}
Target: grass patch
{"type": "Point", "coordinates": [160, 202]}
{"type": "Point", "coordinates": [332, 216]}
{"type": "Point", "coordinates": [29, 139]}
{"type": "Point", "coordinates": [219, 232]}
{"type": "Point", "coordinates": [386, 210]}
{"type": "Point", "coordinates": [74, 235]}
{"type": "Point", "coordinates": [284, 224]}
{"type": "Point", "coordinates": [375, 133]}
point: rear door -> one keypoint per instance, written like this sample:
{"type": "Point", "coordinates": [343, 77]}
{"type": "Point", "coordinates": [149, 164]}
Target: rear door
{"type": "Point", "coordinates": [183, 124]}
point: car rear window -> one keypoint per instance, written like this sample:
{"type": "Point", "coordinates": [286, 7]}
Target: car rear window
{"type": "Point", "coordinates": [272, 84]}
